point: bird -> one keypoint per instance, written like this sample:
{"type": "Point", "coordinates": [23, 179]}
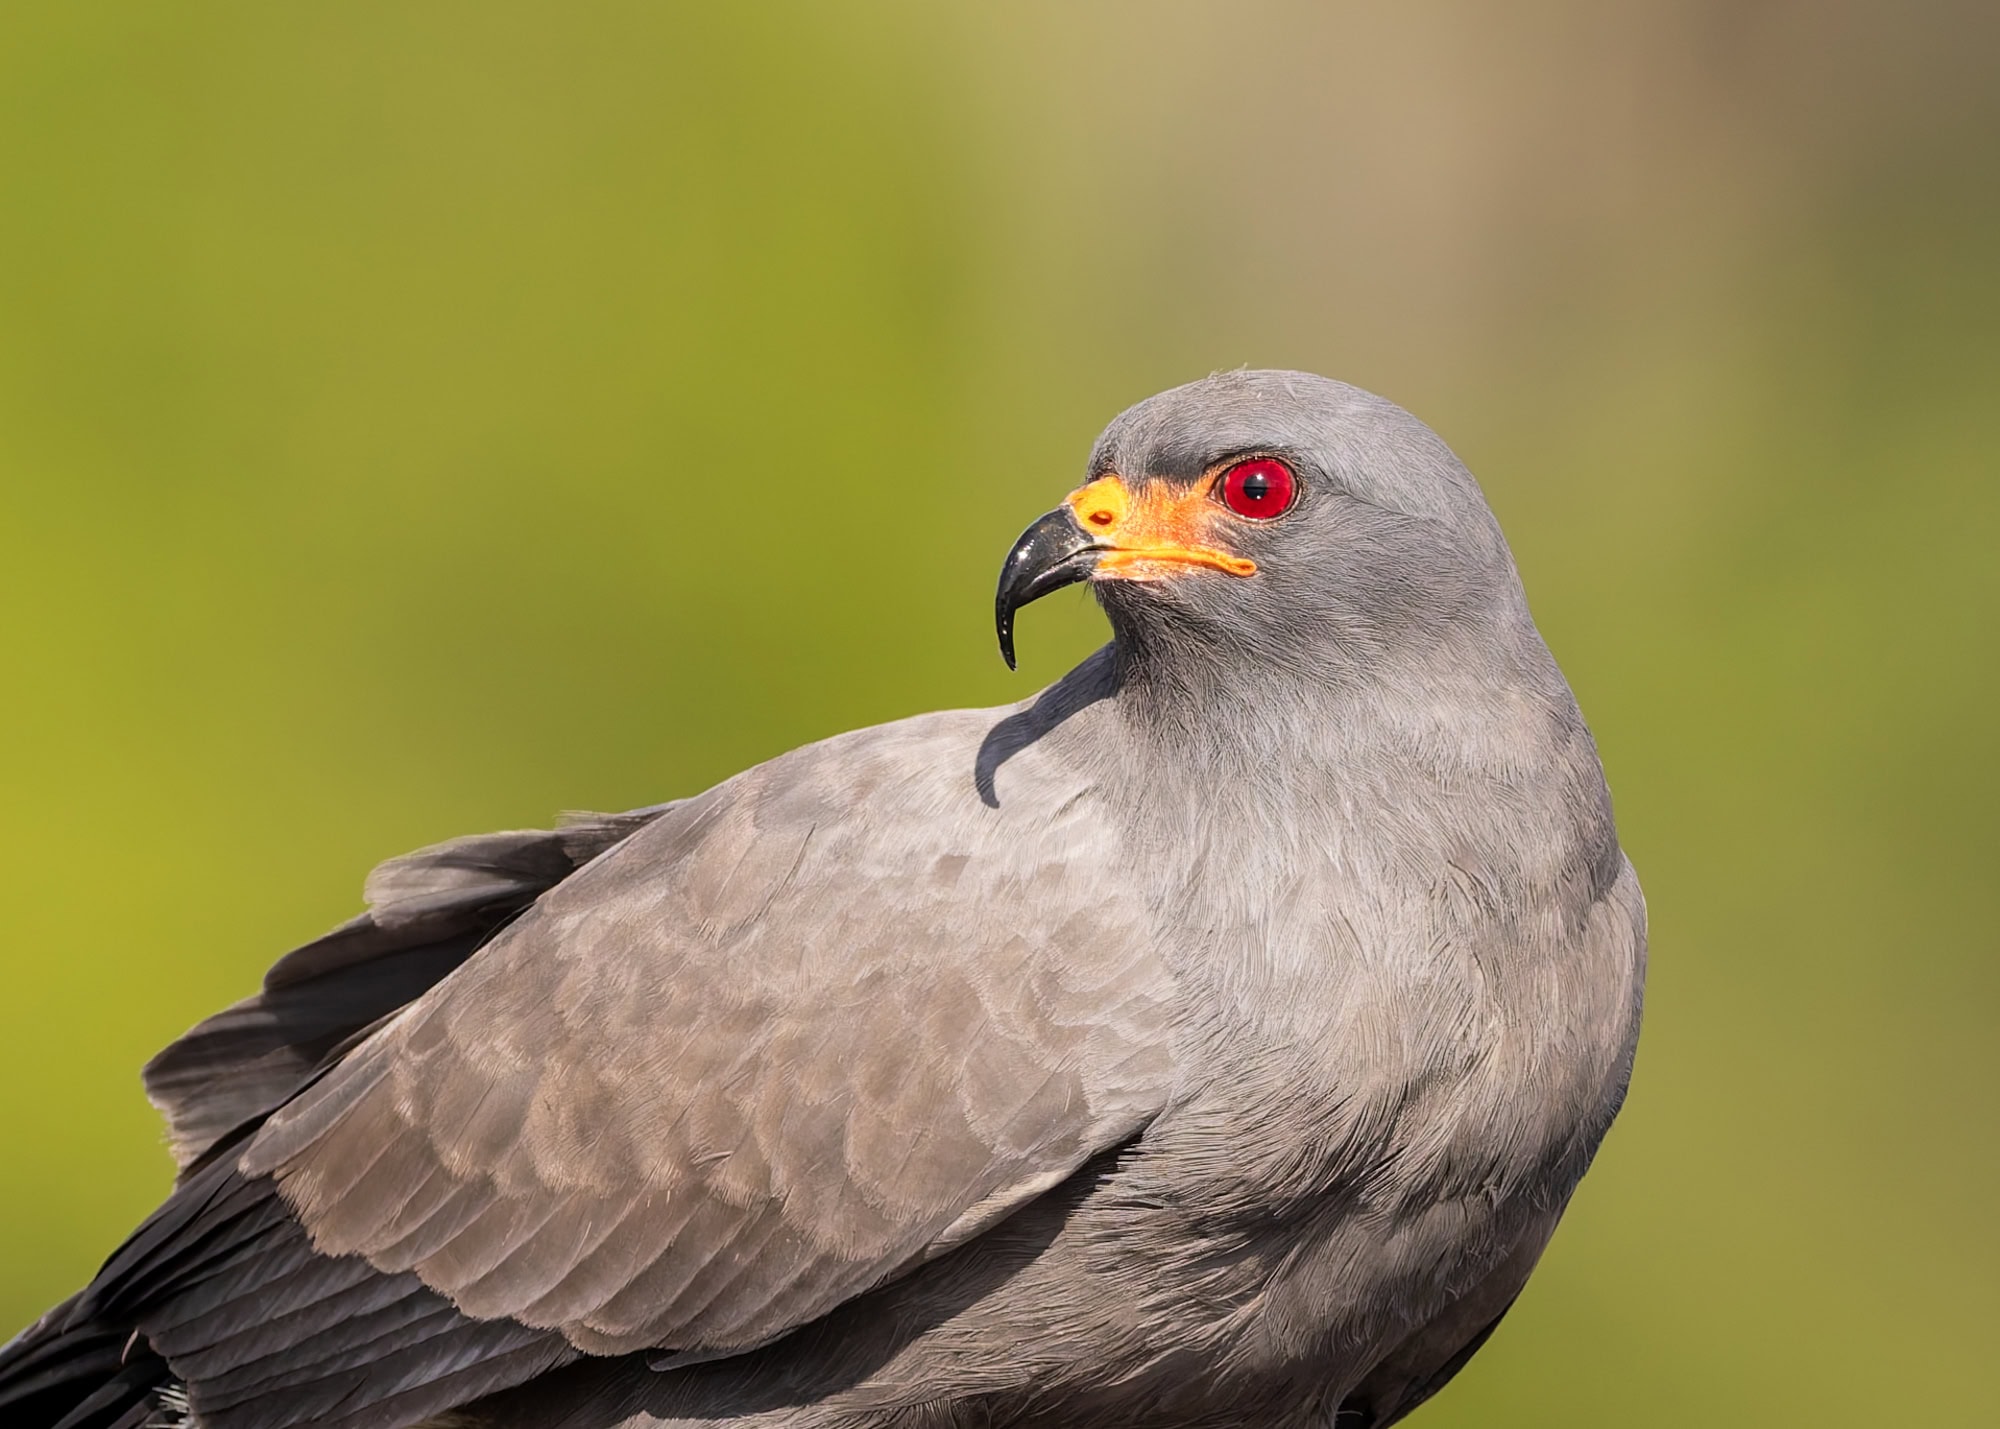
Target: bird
{"type": "Point", "coordinates": [1212, 1038]}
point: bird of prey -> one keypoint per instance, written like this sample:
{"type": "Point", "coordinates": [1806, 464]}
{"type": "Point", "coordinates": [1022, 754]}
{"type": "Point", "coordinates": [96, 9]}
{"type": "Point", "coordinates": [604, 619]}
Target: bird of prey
{"type": "Point", "coordinates": [1211, 1039]}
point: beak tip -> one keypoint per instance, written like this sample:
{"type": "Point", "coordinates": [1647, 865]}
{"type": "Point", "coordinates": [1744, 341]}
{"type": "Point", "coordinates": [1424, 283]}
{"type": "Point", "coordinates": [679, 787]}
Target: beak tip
{"type": "Point", "coordinates": [1052, 553]}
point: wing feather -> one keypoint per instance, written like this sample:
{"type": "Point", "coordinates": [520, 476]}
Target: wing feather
{"type": "Point", "coordinates": [428, 912]}
{"type": "Point", "coordinates": [782, 1043]}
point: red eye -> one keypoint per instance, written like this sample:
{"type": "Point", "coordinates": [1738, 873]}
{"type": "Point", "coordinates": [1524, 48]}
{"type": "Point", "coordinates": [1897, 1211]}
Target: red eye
{"type": "Point", "coordinates": [1259, 489]}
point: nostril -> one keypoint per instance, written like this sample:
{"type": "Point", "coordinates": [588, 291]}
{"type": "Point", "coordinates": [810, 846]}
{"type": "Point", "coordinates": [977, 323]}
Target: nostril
{"type": "Point", "coordinates": [1099, 518]}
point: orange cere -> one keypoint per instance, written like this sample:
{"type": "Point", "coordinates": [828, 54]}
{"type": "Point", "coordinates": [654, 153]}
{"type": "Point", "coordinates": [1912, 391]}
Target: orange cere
{"type": "Point", "coordinates": [1163, 525]}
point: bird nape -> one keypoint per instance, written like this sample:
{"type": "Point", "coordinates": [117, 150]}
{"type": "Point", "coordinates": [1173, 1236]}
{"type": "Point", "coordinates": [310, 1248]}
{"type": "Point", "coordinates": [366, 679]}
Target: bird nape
{"type": "Point", "coordinates": [1214, 1037]}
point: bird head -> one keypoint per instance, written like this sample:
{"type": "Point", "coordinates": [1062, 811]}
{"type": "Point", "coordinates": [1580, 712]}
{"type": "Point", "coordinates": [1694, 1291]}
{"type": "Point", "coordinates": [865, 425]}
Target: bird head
{"type": "Point", "coordinates": [1277, 516]}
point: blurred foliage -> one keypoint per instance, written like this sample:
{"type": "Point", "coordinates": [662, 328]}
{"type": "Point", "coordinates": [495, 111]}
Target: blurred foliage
{"type": "Point", "coordinates": [420, 419]}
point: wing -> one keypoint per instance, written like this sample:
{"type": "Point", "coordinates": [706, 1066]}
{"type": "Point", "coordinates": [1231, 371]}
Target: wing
{"type": "Point", "coordinates": [428, 912]}
{"type": "Point", "coordinates": [817, 1026]}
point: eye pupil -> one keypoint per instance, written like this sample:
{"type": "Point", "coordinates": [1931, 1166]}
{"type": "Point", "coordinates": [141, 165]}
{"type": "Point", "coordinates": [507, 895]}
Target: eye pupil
{"type": "Point", "coordinates": [1259, 489]}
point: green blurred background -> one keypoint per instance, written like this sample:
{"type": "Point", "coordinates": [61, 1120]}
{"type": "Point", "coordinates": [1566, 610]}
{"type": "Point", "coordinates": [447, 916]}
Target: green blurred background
{"type": "Point", "coordinates": [417, 419]}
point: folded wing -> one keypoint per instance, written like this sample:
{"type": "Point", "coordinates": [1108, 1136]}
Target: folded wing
{"type": "Point", "coordinates": [817, 1026]}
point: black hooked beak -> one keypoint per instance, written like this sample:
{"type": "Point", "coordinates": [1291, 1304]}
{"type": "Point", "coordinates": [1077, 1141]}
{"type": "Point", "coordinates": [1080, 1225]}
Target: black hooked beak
{"type": "Point", "coordinates": [1054, 552]}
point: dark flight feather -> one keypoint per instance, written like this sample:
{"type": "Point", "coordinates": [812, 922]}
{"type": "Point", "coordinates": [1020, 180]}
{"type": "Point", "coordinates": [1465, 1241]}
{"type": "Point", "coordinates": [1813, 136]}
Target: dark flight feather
{"type": "Point", "coordinates": [428, 912]}
{"type": "Point", "coordinates": [264, 1331]}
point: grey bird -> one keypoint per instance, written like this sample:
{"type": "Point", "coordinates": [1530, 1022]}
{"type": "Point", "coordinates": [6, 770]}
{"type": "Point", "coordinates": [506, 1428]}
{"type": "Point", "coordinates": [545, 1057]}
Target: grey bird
{"type": "Point", "coordinates": [1212, 1039]}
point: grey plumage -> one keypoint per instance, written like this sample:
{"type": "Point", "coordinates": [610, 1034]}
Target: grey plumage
{"type": "Point", "coordinates": [1212, 1039]}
